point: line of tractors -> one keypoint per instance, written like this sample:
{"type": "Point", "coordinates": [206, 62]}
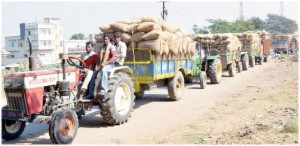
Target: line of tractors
{"type": "Point", "coordinates": [49, 96]}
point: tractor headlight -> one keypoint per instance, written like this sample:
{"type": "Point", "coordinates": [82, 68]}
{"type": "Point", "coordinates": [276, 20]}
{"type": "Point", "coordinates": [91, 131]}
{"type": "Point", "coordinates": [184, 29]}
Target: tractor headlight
{"type": "Point", "coordinates": [8, 83]}
{"type": "Point", "coordinates": [19, 82]}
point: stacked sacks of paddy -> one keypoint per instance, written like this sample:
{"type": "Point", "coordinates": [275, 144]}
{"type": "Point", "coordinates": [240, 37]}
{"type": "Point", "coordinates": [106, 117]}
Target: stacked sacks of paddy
{"type": "Point", "coordinates": [151, 32]}
{"type": "Point", "coordinates": [250, 40]}
{"type": "Point", "coordinates": [264, 34]}
{"type": "Point", "coordinates": [229, 40]}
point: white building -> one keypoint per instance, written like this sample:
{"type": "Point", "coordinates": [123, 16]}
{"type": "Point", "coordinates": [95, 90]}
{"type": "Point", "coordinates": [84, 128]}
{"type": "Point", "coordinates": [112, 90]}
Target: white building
{"type": "Point", "coordinates": [46, 40]}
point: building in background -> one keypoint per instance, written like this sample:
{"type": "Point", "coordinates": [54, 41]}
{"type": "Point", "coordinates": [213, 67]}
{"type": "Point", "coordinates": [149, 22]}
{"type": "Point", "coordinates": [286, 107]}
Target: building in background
{"type": "Point", "coordinates": [46, 39]}
{"type": "Point", "coordinates": [75, 47]}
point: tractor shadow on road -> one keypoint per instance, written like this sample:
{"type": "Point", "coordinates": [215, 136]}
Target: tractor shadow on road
{"type": "Point", "coordinates": [148, 98]}
{"type": "Point", "coordinates": [93, 119]}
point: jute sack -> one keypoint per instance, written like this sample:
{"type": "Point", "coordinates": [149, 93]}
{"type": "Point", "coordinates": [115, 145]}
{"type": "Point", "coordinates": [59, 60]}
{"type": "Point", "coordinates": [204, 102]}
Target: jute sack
{"type": "Point", "coordinates": [119, 27]}
{"type": "Point", "coordinates": [180, 45]}
{"type": "Point", "coordinates": [185, 44]}
{"type": "Point", "coordinates": [150, 19]}
{"type": "Point", "coordinates": [148, 26]}
{"type": "Point", "coordinates": [165, 47]}
{"type": "Point", "coordinates": [167, 35]}
{"type": "Point", "coordinates": [179, 34]}
{"type": "Point", "coordinates": [170, 28]}
{"type": "Point", "coordinates": [130, 21]}
{"type": "Point", "coordinates": [225, 36]}
{"type": "Point", "coordinates": [137, 37]}
{"type": "Point", "coordinates": [191, 49]}
{"type": "Point", "coordinates": [199, 36]}
{"type": "Point", "coordinates": [173, 46]}
{"type": "Point", "coordinates": [99, 37]}
{"type": "Point", "coordinates": [131, 28]}
{"type": "Point", "coordinates": [152, 35]}
{"type": "Point", "coordinates": [156, 45]}
{"type": "Point", "coordinates": [125, 37]}
{"type": "Point", "coordinates": [106, 28]}
{"type": "Point", "coordinates": [133, 45]}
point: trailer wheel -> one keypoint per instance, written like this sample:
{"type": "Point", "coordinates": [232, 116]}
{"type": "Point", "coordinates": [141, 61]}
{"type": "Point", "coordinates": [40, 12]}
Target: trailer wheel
{"type": "Point", "coordinates": [245, 62]}
{"type": "Point", "coordinates": [239, 67]}
{"type": "Point", "coordinates": [176, 87]}
{"type": "Point", "coordinates": [63, 126]}
{"type": "Point", "coordinates": [252, 61]}
{"type": "Point", "coordinates": [116, 106]}
{"type": "Point", "coordinates": [203, 80]}
{"type": "Point", "coordinates": [214, 71]}
{"type": "Point", "coordinates": [260, 60]}
{"type": "Point", "coordinates": [231, 69]}
{"type": "Point", "coordinates": [266, 59]}
{"type": "Point", "coordinates": [140, 94]}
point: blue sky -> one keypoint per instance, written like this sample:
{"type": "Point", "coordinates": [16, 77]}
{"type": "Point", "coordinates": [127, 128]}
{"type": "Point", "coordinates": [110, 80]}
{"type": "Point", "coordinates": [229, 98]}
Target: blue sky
{"type": "Point", "coordinates": [85, 17]}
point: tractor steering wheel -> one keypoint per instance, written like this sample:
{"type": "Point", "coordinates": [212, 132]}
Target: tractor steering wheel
{"type": "Point", "coordinates": [81, 65]}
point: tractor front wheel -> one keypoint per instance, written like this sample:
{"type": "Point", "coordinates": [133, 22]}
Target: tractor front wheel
{"type": "Point", "coordinates": [63, 126]}
{"type": "Point", "coordinates": [12, 129]}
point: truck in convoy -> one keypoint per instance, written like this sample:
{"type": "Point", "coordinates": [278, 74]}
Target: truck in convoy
{"type": "Point", "coordinates": [287, 44]}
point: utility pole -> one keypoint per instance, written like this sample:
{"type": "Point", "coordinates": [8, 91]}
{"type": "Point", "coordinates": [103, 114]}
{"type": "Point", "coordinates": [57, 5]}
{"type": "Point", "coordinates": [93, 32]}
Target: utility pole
{"type": "Point", "coordinates": [281, 9]}
{"type": "Point", "coordinates": [241, 11]}
{"type": "Point", "coordinates": [164, 12]}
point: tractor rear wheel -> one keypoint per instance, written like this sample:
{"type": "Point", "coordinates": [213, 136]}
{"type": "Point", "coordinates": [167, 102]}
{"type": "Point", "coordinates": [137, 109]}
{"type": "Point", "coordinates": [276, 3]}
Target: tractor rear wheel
{"type": "Point", "coordinates": [63, 126]}
{"type": "Point", "coordinates": [176, 87]}
{"type": "Point", "coordinates": [116, 106]}
{"type": "Point", "coordinates": [215, 71]}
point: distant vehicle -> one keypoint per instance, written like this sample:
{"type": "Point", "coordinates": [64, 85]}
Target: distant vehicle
{"type": "Point", "coordinates": [287, 44]}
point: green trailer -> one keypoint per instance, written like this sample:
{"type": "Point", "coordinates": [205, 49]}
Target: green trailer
{"type": "Point", "coordinates": [231, 60]}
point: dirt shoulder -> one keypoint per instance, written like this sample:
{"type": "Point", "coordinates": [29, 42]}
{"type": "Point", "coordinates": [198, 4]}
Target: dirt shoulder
{"type": "Point", "coordinates": [263, 110]}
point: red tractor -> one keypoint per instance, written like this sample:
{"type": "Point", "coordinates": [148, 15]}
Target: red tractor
{"type": "Point", "coordinates": [50, 97]}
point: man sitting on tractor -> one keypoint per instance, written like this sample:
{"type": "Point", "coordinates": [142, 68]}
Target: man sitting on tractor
{"type": "Point", "coordinates": [110, 57]}
{"type": "Point", "coordinates": [90, 60]}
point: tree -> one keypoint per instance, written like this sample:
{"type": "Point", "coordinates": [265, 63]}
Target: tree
{"type": "Point", "coordinates": [239, 26]}
{"type": "Point", "coordinates": [280, 25]}
{"type": "Point", "coordinates": [78, 36]}
{"type": "Point", "coordinates": [219, 26]}
{"type": "Point", "coordinates": [258, 23]}
{"type": "Point", "coordinates": [223, 26]}
{"type": "Point", "coordinates": [197, 30]}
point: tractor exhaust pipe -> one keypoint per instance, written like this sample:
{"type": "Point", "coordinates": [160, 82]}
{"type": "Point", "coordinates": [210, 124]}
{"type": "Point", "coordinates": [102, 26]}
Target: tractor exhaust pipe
{"type": "Point", "coordinates": [30, 58]}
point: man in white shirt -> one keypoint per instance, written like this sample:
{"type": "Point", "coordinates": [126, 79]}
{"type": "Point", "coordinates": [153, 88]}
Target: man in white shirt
{"type": "Point", "coordinates": [115, 61]}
